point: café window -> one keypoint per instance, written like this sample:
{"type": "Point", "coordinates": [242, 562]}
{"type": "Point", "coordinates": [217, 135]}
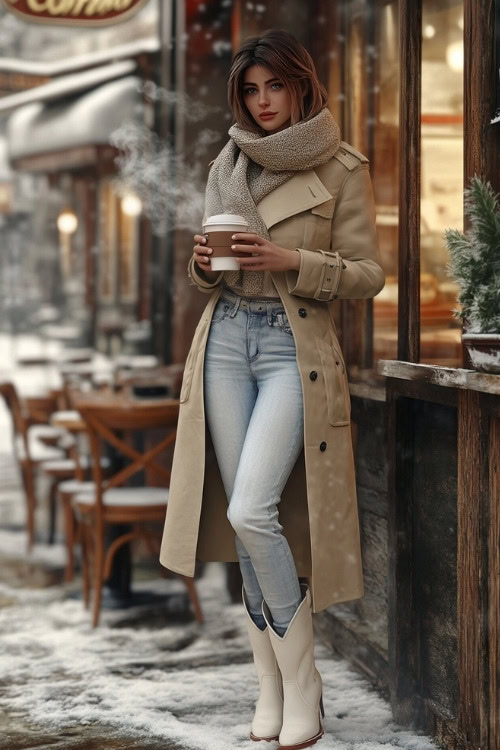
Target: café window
{"type": "Point", "coordinates": [356, 46]}
{"type": "Point", "coordinates": [370, 75]}
{"type": "Point", "coordinates": [441, 198]}
{"type": "Point", "coordinates": [119, 215]}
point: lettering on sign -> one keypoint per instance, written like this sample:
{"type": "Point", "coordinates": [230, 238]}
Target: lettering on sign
{"type": "Point", "coordinates": [75, 12]}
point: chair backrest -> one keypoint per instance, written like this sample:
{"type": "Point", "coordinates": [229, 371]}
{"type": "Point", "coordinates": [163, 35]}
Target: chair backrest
{"type": "Point", "coordinates": [115, 425]}
{"type": "Point", "coordinates": [8, 392]}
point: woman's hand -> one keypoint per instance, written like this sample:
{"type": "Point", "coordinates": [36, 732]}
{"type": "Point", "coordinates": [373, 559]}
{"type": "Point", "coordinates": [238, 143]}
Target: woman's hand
{"type": "Point", "coordinates": [269, 257]}
{"type": "Point", "coordinates": [201, 253]}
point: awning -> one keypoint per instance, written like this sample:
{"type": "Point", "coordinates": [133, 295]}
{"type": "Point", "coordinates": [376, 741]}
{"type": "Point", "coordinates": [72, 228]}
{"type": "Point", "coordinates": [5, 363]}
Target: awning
{"type": "Point", "coordinates": [68, 85]}
{"type": "Point", "coordinates": [44, 128]}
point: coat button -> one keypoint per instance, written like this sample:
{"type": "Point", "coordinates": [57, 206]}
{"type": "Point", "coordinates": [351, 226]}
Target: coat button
{"type": "Point", "coordinates": [322, 446]}
{"type": "Point", "coordinates": [302, 312]}
{"type": "Point", "coordinates": [313, 375]}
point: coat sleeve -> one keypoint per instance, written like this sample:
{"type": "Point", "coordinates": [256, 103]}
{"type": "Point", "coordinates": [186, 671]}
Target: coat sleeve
{"type": "Point", "coordinates": [199, 278]}
{"type": "Point", "coordinates": [351, 268]}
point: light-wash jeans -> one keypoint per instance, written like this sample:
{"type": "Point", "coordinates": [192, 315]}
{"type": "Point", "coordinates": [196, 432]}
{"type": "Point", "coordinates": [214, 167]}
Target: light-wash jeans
{"type": "Point", "coordinates": [254, 409]}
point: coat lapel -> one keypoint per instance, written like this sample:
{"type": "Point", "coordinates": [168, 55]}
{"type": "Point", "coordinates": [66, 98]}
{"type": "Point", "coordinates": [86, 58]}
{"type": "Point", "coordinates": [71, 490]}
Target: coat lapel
{"type": "Point", "coordinates": [302, 191]}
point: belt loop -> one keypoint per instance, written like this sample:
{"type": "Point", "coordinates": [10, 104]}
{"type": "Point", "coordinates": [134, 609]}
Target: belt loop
{"type": "Point", "coordinates": [269, 307]}
{"type": "Point", "coordinates": [236, 306]}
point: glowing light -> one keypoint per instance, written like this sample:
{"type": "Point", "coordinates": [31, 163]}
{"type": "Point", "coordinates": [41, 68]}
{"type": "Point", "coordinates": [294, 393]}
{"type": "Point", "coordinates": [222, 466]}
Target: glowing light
{"type": "Point", "coordinates": [455, 56]}
{"type": "Point", "coordinates": [67, 221]}
{"type": "Point", "coordinates": [429, 31]}
{"type": "Point", "coordinates": [131, 204]}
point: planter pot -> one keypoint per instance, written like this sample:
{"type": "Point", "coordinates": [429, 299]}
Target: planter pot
{"type": "Point", "coordinates": [484, 351]}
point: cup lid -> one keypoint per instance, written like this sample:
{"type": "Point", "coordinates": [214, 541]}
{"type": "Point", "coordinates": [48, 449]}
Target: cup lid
{"type": "Point", "coordinates": [226, 219]}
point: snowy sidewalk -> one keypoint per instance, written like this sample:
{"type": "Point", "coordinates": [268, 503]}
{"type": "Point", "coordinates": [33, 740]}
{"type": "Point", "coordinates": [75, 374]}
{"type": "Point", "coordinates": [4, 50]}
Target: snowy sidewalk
{"type": "Point", "coordinates": [149, 676]}
{"type": "Point", "coordinates": [144, 680]}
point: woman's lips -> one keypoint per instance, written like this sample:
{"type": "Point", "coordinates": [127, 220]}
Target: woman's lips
{"type": "Point", "coordinates": [267, 115]}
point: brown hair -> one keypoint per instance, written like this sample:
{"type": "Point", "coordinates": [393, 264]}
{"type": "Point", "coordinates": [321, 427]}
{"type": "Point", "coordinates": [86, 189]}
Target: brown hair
{"type": "Point", "coordinates": [285, 56]}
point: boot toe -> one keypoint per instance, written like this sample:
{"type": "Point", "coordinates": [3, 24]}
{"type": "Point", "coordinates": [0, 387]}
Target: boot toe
{"type": "Point", "coordinates": [298, 736]}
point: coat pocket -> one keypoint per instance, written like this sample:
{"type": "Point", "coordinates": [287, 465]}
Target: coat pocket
{"type": "Point", "coordinates": [191, 360]}
{"type": "Point", "coordinates": [336, 383]}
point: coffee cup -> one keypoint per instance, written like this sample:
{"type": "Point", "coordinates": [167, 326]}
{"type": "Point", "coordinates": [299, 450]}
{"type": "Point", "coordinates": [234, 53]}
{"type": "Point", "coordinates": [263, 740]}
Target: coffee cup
{"type": "Point", "coordinates": [218, 231]}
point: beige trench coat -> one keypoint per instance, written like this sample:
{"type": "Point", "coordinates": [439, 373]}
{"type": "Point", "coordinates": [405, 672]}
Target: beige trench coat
{"type": "Point", "coordinates": [328, 214]}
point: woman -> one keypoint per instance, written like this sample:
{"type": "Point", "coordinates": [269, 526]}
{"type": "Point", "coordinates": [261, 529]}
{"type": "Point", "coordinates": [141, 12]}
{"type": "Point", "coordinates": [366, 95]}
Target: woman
{"type": "Point", "coordinates": [265, 411]}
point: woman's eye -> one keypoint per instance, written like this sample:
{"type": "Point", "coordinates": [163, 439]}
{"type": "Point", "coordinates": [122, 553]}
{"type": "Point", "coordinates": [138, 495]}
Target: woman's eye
{"type": "Point", "coordinates": [252, 88]}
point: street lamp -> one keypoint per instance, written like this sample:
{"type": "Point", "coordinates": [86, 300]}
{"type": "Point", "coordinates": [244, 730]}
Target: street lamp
{"type": "Point", "coordinates": [131, 204]}
{"type": "Point", "coordinates": [67, 224]}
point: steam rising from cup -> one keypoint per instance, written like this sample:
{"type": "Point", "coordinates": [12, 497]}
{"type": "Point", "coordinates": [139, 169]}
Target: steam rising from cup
{"type": "Point", "coordinates": [169, 183]}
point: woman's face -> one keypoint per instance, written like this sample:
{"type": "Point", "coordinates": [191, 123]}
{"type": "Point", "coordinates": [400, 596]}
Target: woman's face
{"type": "Point", "coordinates": [262, 93]}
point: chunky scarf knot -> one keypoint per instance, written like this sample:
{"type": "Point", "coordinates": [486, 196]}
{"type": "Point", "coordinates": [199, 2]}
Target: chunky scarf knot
{"type": "Point", "coordinates": [251, 165]}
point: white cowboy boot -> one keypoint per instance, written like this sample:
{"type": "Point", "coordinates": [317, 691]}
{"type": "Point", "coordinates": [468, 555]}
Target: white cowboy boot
{"type": "Point", "coordinates": [266, 724]}
{"type": "Point", "coordinates": [302, 684]}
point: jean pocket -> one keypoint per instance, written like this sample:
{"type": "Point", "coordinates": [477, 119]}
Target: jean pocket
{"type": "Point", "coordinates": [222, 310]}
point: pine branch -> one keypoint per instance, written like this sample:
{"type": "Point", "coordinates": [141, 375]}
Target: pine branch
{"type": "Point", "coordinates": [475, 259]}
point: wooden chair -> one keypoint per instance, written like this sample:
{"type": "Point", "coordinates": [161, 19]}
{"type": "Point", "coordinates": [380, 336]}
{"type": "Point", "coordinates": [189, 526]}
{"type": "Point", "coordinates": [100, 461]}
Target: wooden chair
{"type": "Point", "coordinates": [34, 455]}
{"type": "Point", "coordinates": [111, 502]}
{"type": "Point", "coordinates": [28, 451]}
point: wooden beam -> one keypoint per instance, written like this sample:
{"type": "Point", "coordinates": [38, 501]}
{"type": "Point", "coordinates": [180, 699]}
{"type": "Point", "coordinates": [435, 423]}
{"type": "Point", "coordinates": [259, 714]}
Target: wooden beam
{"type": "Point", "coordinates": [494, 583]}
{"type": "Point", "coordinates": [481, 139]}
{"type": "Point", "coordinates": [472, 570]}
{"type": "Point", "coordinates": [410, 56]}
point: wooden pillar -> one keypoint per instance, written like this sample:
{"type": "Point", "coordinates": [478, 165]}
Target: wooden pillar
{"type": "Point", "coordinates": [481, 139]}
{"type": "Point", "coordinates": [494, 579]}
{"type": "Point", "coordinates": [472, 566]}
{"type": "Point", "coordinates": [410, 55]}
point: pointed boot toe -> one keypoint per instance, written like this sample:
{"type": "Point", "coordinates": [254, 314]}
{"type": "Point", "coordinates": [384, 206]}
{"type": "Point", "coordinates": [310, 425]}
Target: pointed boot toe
{"type": "Point", "coordinates": [302, 684]}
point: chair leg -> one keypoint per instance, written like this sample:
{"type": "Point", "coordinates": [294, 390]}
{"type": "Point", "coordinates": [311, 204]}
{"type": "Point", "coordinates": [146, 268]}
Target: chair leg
{"type": "Point", "coordinates": [193, 594]}
{"type": "Point", "coordinates": [84, 539]}
{"type": "Point", "coordinates": [98, 575]}
{"type": "Point", "coordinates": [52, 511]}
{"type": "Point", "coordinates": [69, 528]}
{"type": "Point", "coordinates": [29, 488]}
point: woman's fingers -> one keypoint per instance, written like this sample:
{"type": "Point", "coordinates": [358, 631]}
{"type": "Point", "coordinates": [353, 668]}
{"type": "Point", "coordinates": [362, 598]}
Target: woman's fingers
{"type": "Point", "coordinates": [200, 250]}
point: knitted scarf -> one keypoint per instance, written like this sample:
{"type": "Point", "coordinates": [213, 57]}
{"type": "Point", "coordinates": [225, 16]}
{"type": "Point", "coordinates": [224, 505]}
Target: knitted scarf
{"type": "Point", "coordinates": [251, 165]}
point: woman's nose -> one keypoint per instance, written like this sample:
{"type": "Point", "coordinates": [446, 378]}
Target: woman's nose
{"type": "Point", "coordinates": [263, 98]}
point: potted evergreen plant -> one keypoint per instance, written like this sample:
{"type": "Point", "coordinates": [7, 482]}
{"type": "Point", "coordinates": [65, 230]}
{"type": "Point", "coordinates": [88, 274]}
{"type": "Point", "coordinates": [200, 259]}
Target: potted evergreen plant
{"type": "Point", "coordinates": [475, 266]}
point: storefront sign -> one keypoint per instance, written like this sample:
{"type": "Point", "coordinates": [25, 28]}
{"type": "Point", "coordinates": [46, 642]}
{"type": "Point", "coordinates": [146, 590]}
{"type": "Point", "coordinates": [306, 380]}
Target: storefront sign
{"type": "Point", "coordinates": [76, 12]}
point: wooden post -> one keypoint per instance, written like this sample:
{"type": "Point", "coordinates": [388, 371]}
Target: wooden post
{"type": "Point", "coordinates": [481, 139]}
{"type": "Point", "coordinates": [494, 579]}
{"type": "Point", "coordinates": [410, 52]}
{"type": "Point", "coordinates": [472, 569]}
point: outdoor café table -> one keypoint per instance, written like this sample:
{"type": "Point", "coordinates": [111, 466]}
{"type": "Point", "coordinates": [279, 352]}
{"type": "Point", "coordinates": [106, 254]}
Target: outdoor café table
{"type": "Point", "coordinates": [118, 584]}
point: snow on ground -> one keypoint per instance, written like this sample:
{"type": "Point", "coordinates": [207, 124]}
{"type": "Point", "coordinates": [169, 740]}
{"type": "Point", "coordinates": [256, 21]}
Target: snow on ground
{"type": "Point", "coordinates": [190, 684]}
{"type": "Point", "coordinates": [141, 674]}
